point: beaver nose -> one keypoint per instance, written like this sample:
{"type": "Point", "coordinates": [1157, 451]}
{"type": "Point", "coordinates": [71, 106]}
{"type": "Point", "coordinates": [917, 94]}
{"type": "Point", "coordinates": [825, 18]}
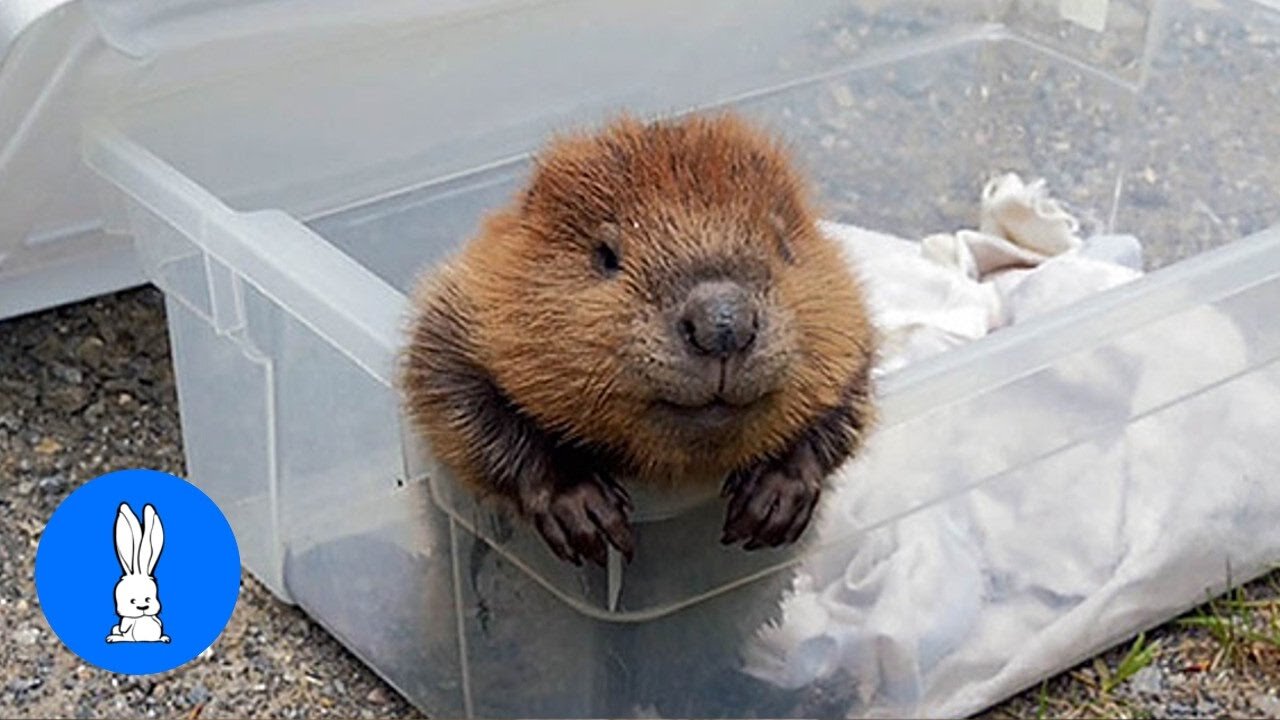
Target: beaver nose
{"type": "Point", "coordinates": [718, 319]}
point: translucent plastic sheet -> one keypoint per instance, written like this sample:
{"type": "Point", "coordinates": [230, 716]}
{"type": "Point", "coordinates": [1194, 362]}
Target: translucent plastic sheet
{"type": "Point", "coordinates": [989, 589]}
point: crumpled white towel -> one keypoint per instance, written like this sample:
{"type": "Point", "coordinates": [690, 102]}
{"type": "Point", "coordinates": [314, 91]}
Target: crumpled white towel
{"type": "Point", "coordinates": [1026, 258]}
{"type": "Point", "coordinates": [970, 552]}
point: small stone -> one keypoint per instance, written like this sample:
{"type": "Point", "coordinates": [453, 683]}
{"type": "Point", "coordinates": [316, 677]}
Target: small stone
{"type": "Point", "coordinates": [66, 373]}
{"type": "Point", "coordinates": [116, 385]}
{"type": "Point", "coordinates": [47, 446]}
{"type": "Point", "coordinates": [1267, 705]}
{"type": "Point", "coordinates": [1147, 681]}
{"type": "Point", "coordinates": [94, 412]}
{"type": "Point", "coordinates": [27, 636]}
{"type": "Point", "coordinates": [377, 696]}
{"type": "Point", "coordinates": [90, 351]}
{"type": "Point", "coordinates": [51, 483]}
{"type": "Point", "coordinates": [198, 694]}
{"type": "Point", "coordinates": [18, 389]}
{"type": "Point", "coordinates": [48, 349]}
{"type": "Point", "coordinates": [67, 398]}
{"type": "Point", "coordinates": [140, 367]}
{"type": "Point", "coordinates": [22, 686]}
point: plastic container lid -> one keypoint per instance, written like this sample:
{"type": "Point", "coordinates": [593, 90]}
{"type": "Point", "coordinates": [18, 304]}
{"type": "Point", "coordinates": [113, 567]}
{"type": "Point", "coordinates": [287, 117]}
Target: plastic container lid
{"type": "Point", "coordinates": [50, 231]}
{"type": "Point", "coordinates": [64, 61]}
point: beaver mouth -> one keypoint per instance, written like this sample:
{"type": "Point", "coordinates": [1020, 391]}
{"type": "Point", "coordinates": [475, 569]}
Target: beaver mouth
{"type": "Point", "coordinates": [715, 412]}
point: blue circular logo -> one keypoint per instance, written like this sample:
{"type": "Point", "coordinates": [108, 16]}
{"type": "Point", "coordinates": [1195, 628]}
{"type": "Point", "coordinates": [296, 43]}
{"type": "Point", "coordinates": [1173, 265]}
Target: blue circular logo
{"type": "Point", "coordinates": [137, 572]}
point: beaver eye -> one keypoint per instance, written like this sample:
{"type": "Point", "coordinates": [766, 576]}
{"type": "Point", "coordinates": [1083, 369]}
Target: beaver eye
{"type": "Point", "coordinates": [607, 260]}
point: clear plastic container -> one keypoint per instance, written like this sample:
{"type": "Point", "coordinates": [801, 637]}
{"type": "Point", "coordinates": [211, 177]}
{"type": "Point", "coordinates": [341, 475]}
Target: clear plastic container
{"type": "Point", "coordinates": [286, 210]}
{"type": "Point", "coordinates": [53, 248]}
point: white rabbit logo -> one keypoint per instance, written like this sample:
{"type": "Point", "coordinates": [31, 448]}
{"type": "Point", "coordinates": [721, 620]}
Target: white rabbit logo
{"type": "Point", "coordinates": [137, 597]}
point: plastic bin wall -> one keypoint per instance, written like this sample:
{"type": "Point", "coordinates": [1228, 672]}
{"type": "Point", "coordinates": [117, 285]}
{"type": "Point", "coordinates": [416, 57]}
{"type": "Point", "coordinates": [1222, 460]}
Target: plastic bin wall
{"type": "Point", "coordinates": [285, 248]}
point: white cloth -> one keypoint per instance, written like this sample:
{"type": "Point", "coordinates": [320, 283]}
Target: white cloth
{"type": "Point", "coordinates": [950, 289]}
{"type": "Point", "coordinates": [981, 547]}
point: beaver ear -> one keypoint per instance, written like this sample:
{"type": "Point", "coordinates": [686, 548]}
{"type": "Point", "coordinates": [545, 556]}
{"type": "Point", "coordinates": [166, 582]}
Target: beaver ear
{"type": "Point", "coordinates": [610, 232]}
{"type": "Point", "coordinates": [608, 248]}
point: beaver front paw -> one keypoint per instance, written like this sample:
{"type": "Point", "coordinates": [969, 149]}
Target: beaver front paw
{"type": "Point", "coordinates": [579, 519]}
{"type": "Point", "coordinates": [772, 501]}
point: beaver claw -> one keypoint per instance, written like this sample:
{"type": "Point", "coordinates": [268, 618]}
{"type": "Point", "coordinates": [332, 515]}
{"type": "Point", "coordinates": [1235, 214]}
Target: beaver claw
{"type": "Point", "coordinates": [772, 501]}
{"type": "Point", "coordinates": [581, 519]}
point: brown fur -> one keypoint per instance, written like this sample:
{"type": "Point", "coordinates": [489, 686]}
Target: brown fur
{"type": "Point", "coordinates": [525, 318]}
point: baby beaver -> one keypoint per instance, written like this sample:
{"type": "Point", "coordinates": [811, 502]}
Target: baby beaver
{"type": "Point", "coordinates": [656, 307]}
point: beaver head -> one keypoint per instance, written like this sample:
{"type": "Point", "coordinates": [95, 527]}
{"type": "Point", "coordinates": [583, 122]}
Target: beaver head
{"type": "Point", "coordinates": [661, 290]}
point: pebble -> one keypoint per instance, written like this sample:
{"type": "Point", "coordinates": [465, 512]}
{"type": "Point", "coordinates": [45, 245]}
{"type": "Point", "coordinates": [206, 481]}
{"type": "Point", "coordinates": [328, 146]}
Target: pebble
{"type": "Point", "coordinates": [27, 636]}
{"type": "Point", "coordinates": [94, 412]}
{"type": "Point", "coordinates": [377, 696]}
{"type": "Point", "coordinates": [1268, 705]}
{"type": "Point", "coordinates": [48, 350]}
{"type": "Point", "coordinates": [66, 373]}
{"type": "Point", "coordinates": [47, 446]}
{"type": "Point", "coordinates": [139, 367]}
{"type": "Point", "coordinates": [66, 398]}
{"type": "Point", "coordinates": [90, 351]}
{"type": "Point", "coordinates": [21, 686]}
{"type": "Point", "coordinates": [1147, 681]}
{"type": "Point", "coordinates": [197, 694]}
{"type": "Point", "coordinates": [18, 389]}
{"type": "Point", "coordinates": [51, 484]}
